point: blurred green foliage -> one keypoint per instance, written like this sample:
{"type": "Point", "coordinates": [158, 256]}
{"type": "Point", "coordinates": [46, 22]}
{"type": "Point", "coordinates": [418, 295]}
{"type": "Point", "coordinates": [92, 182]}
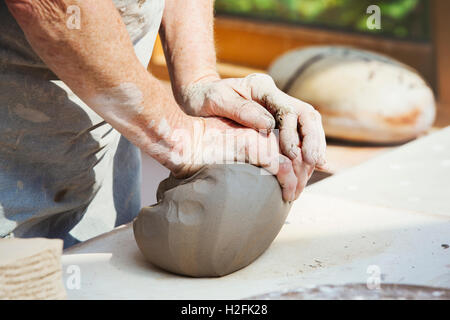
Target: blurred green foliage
{"type": "Point", "coordinates": [399, 18]}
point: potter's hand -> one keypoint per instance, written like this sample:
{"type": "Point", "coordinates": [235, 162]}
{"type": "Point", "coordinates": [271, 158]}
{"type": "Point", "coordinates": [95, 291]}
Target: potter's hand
{"type": "Point", "coordinates": [254, 101]}
{"type": "Point", "coordinates": [216, 140]}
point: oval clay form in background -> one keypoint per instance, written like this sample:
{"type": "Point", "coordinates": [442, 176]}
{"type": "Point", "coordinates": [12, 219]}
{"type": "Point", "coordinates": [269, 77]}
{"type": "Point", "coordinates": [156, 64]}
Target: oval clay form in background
{"type": "Point", "coordinates": [211, 224]}
{"type": "Point", "coordinates": [362, 96]}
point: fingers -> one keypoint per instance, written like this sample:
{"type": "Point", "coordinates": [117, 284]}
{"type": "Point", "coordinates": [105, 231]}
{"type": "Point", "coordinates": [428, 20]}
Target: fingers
{"type": "Point", "coordinates": [289, 113]}
{"type": "Point", "coordinates": [263, 151]}
{"type": "Point", "coordinates": [252, 100]}
{"type": "Point", "coordinates": [312, 135]}
{"type": "Point", "coordinates": [247, 145]}
{"type": "Point", "coordinates": [303, 172]}
{"type": "Point", "coordinates": [289, 138]}
{"type": "Point", "coordinates": [229, 99]}
{"type": "Point", "coordinates": [286, 176]}
{"type": "Point", "coordinates": [248, 113]}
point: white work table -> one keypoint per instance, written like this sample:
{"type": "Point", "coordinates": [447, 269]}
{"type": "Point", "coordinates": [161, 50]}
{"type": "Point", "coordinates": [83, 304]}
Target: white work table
{"type": "Point", "coordinates": [390, 214]}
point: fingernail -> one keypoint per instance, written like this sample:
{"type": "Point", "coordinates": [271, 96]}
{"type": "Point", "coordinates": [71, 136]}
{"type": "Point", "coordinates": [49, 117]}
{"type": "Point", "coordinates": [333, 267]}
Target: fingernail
{"type": "Point", "coordinates": [270, 122]}
{"type": "Point", "coordinates": [292, 197]}
{"type": "Point", "coordinates": [323, 166]}
{"type": "Point", "coordinates": [312, 157]}
{"type": "Point", "coordinates": [294, 152]}
{"type": "Point", "coordinates": [289, 198]}
{"type": "Point", "coordinates": [322, 162]}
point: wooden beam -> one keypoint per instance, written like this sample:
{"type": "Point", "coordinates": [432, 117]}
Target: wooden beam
{"type": "Point", "coordinates": [257, 44]}
{"type": "Point", "coordinates": [440, 17]}
{"type": "Point", "coordinates": [158, 66]}
{"type": "Point", "coordinates": [254, 45]}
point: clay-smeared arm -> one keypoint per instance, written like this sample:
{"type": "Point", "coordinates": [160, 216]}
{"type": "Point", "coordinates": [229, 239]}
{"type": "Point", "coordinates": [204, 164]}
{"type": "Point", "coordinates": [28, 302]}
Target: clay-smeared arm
{"type": "Point", "coordinates": [98, 63]}
{"type": "Point", "coordinates": [188, 39]}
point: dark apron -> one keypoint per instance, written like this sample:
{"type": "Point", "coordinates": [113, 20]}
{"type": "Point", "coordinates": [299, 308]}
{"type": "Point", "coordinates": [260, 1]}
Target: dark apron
{"type": "Point", "coordinates": [64, 172]}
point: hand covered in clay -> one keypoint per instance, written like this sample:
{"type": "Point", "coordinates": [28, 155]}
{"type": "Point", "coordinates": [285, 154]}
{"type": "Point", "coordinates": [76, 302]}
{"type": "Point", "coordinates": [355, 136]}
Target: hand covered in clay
{"type": "Point", "coordinates": [217, 140]}
{"type": "Point", "coordinates": [254, 102]}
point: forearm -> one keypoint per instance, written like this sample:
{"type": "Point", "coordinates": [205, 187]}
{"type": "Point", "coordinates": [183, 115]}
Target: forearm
{"type": "Point", "coordinates": [188, 39]}
{"type": "Point", "coordinates": [99, 64]}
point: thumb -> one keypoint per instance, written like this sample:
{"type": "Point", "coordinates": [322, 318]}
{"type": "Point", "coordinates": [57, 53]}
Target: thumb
{"type": "Point", "coordinates": [248, 113]}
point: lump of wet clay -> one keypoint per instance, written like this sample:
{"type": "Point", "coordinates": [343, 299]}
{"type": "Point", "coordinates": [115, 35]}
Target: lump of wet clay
{"type": "Point", "coordinates": [31, 269]}
{"type": "Point", "coordinates": [213, 223]}
{"type": "Point", "coordinates": [362, 96]}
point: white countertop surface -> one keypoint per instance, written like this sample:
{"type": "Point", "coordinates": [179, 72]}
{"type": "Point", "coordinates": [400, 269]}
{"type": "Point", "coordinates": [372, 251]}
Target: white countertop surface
{"type": "Point", "coordinates": [389, 215]}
